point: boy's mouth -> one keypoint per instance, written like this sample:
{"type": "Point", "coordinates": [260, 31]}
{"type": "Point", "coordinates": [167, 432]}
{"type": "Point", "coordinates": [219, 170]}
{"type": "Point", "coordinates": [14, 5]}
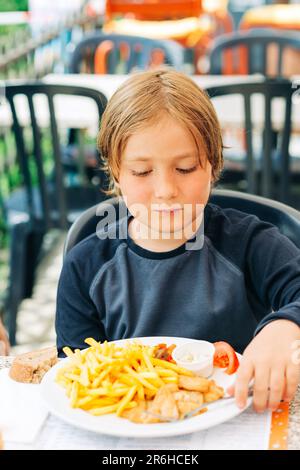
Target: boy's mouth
{"type": "Point", "coordinates": [165, 209]}
{"type": "Point", "coordinates": [168, 211]}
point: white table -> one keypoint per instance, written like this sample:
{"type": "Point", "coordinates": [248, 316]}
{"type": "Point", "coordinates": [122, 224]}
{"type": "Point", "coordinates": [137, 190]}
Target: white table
{"type": "Point", "coordinates": [229, 109]}
{"type": "Point", "coordinates": [70, 112]}
{"type": "Point", "coordinates": [80, 113]}
{"type": "Point", "coordinates": [109, 83]}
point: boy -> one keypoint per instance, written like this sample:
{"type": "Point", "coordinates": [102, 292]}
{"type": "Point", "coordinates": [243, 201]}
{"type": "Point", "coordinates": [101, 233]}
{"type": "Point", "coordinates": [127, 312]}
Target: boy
{"type": "Point", "coordinates": [161, 144]}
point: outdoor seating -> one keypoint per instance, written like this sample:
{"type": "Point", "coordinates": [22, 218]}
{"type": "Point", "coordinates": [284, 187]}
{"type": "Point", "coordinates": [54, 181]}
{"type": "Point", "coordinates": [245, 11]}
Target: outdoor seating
{"type": "Point", "coordinates": [113, 53]}
{"type": "Point", "coordinates": [192, 24]}
{"type": "Point", "coordinates": [253, 51]}
{"type": "Point", "coordinates": [281, 18]}
{"type": "Point", "coordinates": [46, 199]}
{"type": "Point", "coordinates": [263, 157]}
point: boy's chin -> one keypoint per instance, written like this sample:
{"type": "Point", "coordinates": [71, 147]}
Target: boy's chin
{"type": "Point", "coordinates": [174, 233]}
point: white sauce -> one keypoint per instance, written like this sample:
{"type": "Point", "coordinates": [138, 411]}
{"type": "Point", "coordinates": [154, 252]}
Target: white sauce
{"type": "Point", "coordinates": [193, 358]}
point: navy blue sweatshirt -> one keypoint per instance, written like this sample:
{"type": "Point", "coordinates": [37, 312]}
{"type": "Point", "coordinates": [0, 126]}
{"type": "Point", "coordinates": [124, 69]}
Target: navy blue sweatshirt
{"type": "Point", "coordinates": [245, 275]}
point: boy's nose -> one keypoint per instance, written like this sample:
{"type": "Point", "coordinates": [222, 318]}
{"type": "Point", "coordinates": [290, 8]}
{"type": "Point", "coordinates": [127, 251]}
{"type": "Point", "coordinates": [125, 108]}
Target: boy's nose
{"type": "Point", "coordinates": [165, 188]}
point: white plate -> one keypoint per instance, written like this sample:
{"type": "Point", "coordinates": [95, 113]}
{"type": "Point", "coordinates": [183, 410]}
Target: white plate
{"type": "Point", "coordinates": [58, 404]}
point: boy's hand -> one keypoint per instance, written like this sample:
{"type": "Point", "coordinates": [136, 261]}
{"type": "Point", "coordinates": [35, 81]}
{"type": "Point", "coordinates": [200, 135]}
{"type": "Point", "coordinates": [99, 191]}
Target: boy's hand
{"type": "Point", "coordinates": [271, 360]}
{"type": "Point", "coordinates": [4, 343]}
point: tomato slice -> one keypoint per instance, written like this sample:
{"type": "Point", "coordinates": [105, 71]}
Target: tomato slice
{"type": "Point", "coordinates": [225, 356]}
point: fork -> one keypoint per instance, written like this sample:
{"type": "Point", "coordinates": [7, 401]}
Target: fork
{"type": "Point", "coordinates": [213, 405]}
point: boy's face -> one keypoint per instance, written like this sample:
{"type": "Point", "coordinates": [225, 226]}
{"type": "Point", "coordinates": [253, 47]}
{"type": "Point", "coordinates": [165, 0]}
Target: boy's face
{"type": "Point", "coordinates": [161, 179]}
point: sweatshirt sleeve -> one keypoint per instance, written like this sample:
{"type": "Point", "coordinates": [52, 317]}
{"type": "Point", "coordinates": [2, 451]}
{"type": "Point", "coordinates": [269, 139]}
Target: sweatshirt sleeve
{"type": "Point", "coordinates": [273, 264]}
{"type": "Point", "coordinates": [76, 315]}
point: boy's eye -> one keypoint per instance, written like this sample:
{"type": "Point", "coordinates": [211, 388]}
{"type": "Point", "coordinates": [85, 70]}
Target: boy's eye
{"type": "Point", "coordinates": [140, 173]}
{"type": "Point", "coordinates": [187, 170]}
{"type": "Point", "coordinates": [180, 170]}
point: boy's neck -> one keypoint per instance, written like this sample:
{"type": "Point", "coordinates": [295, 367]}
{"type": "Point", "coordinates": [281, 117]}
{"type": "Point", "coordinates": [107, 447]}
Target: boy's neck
{"type": "Point", "coordinates": [153, 243]}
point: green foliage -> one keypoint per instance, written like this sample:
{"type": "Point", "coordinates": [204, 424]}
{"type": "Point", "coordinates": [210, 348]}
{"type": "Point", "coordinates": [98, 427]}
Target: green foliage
{"type": "Point", "coordinates": [13, 5]}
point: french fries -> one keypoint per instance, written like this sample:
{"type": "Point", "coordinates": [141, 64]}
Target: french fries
{"type": "Point", "coordinates": [107, 378]}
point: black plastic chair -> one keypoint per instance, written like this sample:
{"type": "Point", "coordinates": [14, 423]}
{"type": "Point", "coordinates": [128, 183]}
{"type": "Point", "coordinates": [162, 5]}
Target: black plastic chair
{"type": "Point", "coordinates": [284, 217]}
{"type": "Point", "coordinates": [138, 53]}
{"type": "Point", "coordinates": [267, 170]}
{"type": "Point", "coordinates": [46, 199]}
{"type": "Point", "coordinates": [246, 52]}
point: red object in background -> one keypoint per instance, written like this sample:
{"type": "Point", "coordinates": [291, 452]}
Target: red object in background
{"type": "Point", "coordinates": [225, 356]}
{"type": "Point", "coordinates": [153, 9]}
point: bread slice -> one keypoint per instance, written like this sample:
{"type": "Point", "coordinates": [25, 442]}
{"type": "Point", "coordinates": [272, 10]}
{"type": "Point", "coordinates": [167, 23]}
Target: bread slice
{"type": "Point", "coordinates": [32, 366]}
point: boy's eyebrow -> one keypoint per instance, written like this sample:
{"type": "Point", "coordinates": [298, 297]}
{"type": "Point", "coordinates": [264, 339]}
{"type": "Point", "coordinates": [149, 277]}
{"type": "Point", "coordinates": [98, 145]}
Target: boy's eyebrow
{"type": "Point", "coordinates": [175, 157]}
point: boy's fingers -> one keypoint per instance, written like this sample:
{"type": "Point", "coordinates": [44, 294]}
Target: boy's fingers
{"type": "Point", "coordinates": [244, 375]}
{"type": "Point", "coordinates": [276, 388]}
{"type": "Point", "coordinates": [260, 389]}
{"type": "Point", "coordinates": [2, 348]}
{"type": "Point", "coordinates": [291, 382]}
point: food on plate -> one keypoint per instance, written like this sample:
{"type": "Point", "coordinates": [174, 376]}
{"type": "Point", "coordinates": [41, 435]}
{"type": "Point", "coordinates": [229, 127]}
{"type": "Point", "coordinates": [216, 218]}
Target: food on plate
{"type": "Point", "coordinates": [213, 393]}
{"type": "Point", "coordinates": [225, 356]}
{"type": "Point", "coordinates": [195, 383]}
{"type": "Point", "coordinates": [131, 381]}
{"type": "Point", "coordinates": [172, 402]}
{"type": "Point", "coordinates": [189, 357]}
{"type": "Point", "coordinates": [162, 351]}
{"type": "Point", "coordinates": [32, 366]}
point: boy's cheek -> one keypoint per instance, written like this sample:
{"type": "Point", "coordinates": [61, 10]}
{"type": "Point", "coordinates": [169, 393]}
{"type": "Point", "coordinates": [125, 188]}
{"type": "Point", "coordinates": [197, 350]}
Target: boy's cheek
{"type": "Point", "coordinates": [135, 196]}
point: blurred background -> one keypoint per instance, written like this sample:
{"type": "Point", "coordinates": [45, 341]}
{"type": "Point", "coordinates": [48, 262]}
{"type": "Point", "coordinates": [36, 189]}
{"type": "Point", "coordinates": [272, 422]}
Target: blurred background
{"type": "Point", "coordinates": [59, 64]}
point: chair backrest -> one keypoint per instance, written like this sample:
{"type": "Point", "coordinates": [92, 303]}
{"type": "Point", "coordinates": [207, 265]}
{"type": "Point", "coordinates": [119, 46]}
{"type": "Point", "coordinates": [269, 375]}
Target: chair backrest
{"type": "Point", "coordinates": [37, 163]}
{"type": "Point", "coordinates": [254, 51]}
{"type": "Point", "coordinates": [272, 159]}
{"type": "Point", "coordinates": [87, 222]}
{"type": "Point", "coordinates": [284, 217]}
{"type": "Point", "coordinates": [153, 9]}
{"type": "Point", "coordinates": [114, 53]}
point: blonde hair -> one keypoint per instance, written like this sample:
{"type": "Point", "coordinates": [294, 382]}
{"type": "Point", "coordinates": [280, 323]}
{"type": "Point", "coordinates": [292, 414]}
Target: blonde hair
{"type": "Point", "coordinates": [140, 100]}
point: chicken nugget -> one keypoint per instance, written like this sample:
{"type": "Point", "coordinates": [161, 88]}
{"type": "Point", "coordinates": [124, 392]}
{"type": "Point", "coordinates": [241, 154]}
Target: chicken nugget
{"type": "Point", "coordinates": [198, 384]}
{"type": "Point", "coordinates": [164, 403]}
{"type": "Point", "coordinates": [212, 396]}
{"type": "Point", "coordinates": [185, 396]}
{"type": "Point", "coordinates": [218, 391]}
